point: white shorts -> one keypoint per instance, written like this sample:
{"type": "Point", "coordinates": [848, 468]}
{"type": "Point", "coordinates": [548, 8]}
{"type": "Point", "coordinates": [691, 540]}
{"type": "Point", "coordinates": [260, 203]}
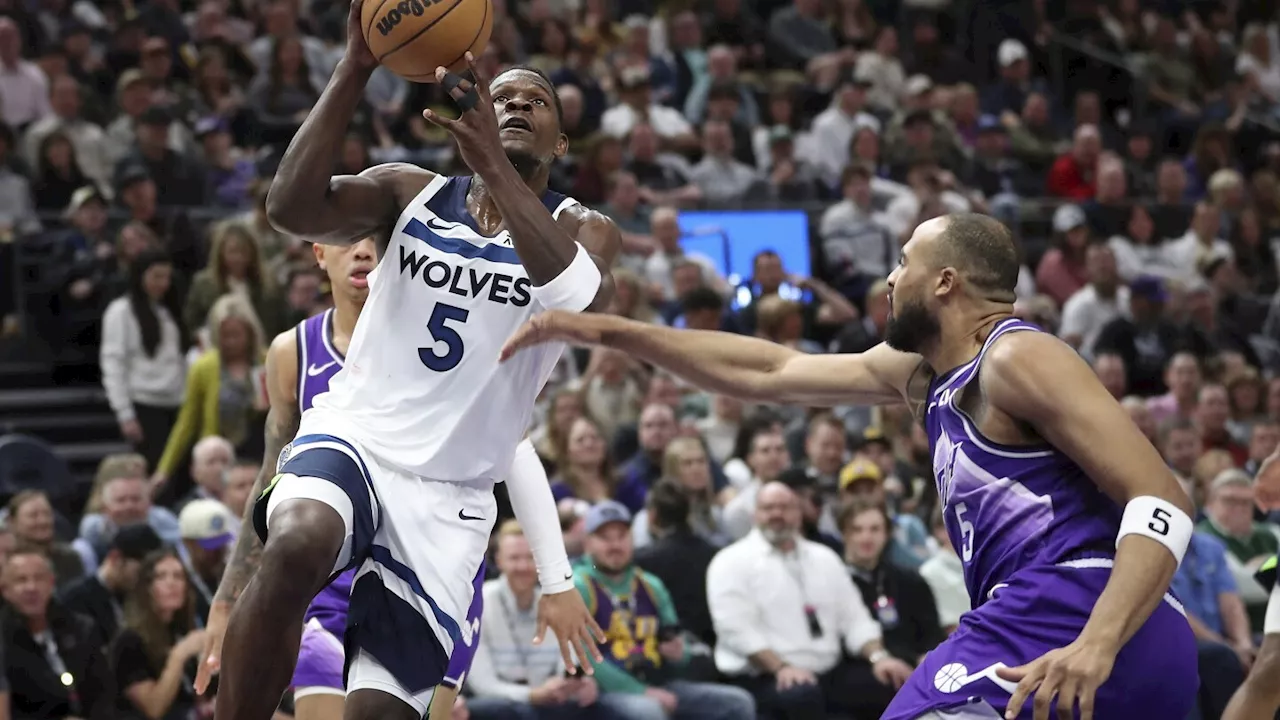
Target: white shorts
{"type": "Point", "coordinates": [418, 545]}
{"type": "Point", "coordinates": [1271, 621]}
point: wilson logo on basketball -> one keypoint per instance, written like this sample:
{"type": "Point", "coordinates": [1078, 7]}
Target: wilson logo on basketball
{"type": "Point", "coordinates": [402, 10]}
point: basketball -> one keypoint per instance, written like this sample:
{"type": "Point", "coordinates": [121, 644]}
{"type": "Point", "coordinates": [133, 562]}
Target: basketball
{"type": "Point", "coordinates": [411, 38]}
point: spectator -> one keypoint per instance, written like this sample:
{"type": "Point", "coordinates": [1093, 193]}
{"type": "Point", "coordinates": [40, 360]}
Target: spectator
{"type": "Point", "coordinates": [143, 370]}
{"type": "Point", "coordinates": [211, 457]}
{"type": "Point", "coordinates": [636, 104]}
{"type": "Point", "coordinates": [857, 247]}
{"type": "Point", "coordinates": [22, 84]}
{"type": "Point", "coordinates": [766, 456]}
{"type": "Point", "coordinates": [155, 655]}
{"type": "Point", "coordinates": [126, 500]}
{"type": "Point", "coordinates": [863, 480]}
{"type": "Point", "coordinates": [1183, 378]}
{"type": "Point", "coordinates": [225, 394]}
{"type": "Point", "coordinates": [644, 654]}
{"type": "Point", "coordinates": [58, 173]}
{"type": "Point", "coordinates": [17, 205]}
{"type": "Point", "coordinates": [283, 93]}
{"type": "Point", "coordinates": [510, 676]}
{"type": "Point", "coordinates": [791, 179]}
{"type": "Point", "coordinates": [239, 485]}
{"type": "Point", "coordinates": [1263, 439]}
{"type": "Point", "coordinates": [1138, 250]}
{"type": "Point", "coordinates": [235, 265]}
{"type": "Point", "coordinates": [1213, 410]}
{"type": "Point", "coordinates": [1009, 94]}
{"type": "Point", "coordinates": [1208, 592]}
{"type": "Point", "coordinates": [678, 555]}
{"type": "Point", "coordinates": [720, 176]}
{"type": "Point", "coordinates": [31, 520]}
{"type": "Point", "coordinates": [804, 648]}
{"type": "Point", "coordinates": [1062, 271]}
{"type": "Point", "coordinates": [900, 600]}
{"type": "Point", "coordinates": [836, 126]}
{"type": "Point", "coordinates": [1109, 210]}
{"type": "Point", "coordinates": [54, 669]}
{"type": "Point", "coordinates": [685, 463]}
{"type": "Point", "coordinates": [1160, 339]}
{"type": "Point", "coordinates": [89, 254]}
{"type": "Point", "coordinates": [231, 176]}
{"type": "Point", "coordinates": [1229, 517]}
{"type": "Point", "coordinates": [586, 472]}
{"type": "Point", "coordinates": [1089, 309]}
{"type": "Point", "coordinates": [812, 506]}
{"type": "Point", "coordinates": [944, 572]}
{"type": "Point", "coordinates": [1110, 370]}
{"type": "Point", "coordinates": [664, 227]}
{"type": "Point", "coordinates": [657, 428]}
{"type": "Point", "coordinates": [1187, 254]}
{"type": "Point", "coordinates": [1073, 175]}
{"type": "Point", "coordinates": [89, 141]}
{"type": "Point", "coordinates": [179, 179]}
{"type": "Point", "coordinates": [208, 528]}
{"type": "Point", "coordinates": [101, 595]}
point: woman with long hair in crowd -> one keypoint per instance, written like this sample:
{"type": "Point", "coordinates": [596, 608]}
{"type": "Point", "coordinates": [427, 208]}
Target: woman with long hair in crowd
{"type": "Point", "coordinates": [226, 394]}
{"type": "Point", "coordinates": [1245, 393]}
{"type": "Point", "coordinates": [235, 266]}
{"type": "Point", "coordinates": [143, 366]}
{"type": "Point", "coordinates": [155, 653]}
{"type": "Point", "coordinates": [585, 471]}
{"type": "Point", "coordinates": [281, 97]}
{"type": "Point", "coordinates": [31, 519]}
{"type": "Point", "coordinates": [58, 173]}
{"type": "Point", "coordinates": [685, 462]}
{"type": "Point", "coordinates": [551, 437]}
{"type": "Point", "coordinates": [898, 598]}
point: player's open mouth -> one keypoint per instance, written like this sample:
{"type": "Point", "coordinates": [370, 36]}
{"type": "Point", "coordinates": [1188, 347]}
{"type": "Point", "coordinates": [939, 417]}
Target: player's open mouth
{"type": "Point", "coordinates": [517, 123]}
{"type": "Point", "coordinates": [360, 279]}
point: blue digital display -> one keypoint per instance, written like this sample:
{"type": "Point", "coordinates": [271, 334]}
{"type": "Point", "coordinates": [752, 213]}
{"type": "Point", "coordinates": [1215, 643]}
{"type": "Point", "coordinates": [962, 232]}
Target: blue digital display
{"type": "Point", "coordinates": [731, 239]}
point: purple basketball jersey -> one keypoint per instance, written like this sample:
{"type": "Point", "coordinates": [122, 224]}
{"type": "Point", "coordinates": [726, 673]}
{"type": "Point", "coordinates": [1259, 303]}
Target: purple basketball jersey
{"type": "Point", "coordinates": [1037, 539]}
{"type": "Point", "coordinates": [318, 361]}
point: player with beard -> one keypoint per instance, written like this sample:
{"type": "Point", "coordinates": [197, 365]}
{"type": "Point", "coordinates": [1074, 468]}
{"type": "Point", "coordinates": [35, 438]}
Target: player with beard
{"type": "Point", "coordinates": [391, 471]}
{"type": "Point", "coordinates": [1069, 525]}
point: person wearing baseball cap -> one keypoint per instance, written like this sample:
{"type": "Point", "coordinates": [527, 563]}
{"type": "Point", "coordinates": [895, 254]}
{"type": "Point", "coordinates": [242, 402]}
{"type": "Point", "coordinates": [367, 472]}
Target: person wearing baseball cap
{"type": "Point", "coordinates": [645, 654]}
{"type": "Point", "coordinates": [101, 595]}
{"type": "Point", "coordinates": [208, 528]}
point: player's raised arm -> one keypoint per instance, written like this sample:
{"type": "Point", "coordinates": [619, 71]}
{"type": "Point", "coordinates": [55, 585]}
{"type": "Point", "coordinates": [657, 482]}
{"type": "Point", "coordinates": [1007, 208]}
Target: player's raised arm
{"type": "Point", "coordinates": [568, 258]}
{"type": "Point", "coordinates": [304, 199]}
{"type": "Point", "coordinates": [741, 366]}
{"type": "Point", "coordinates": [282, 423]}
{"type": "Point", "coordinates": [1061, 398]}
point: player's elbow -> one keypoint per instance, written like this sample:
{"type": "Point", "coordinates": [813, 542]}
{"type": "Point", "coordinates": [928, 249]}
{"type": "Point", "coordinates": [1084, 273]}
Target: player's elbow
{"type": "Point", "coordinates": [604, 293]}
{"type": "Point", "coordinates": [283, 213]}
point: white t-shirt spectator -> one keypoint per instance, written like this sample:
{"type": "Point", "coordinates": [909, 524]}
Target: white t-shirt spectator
{"type": "Point", "coordinates": [1134, 260]}
{"type": "Point", "coordinates": [507, 664]}
{"type": "Point", "coordinates": [24, 94]}
{"type": "Point", "coordinates": [1086, 312]}
{"type": "Point", "coordinates": [667, 122]}
{"type": "Point", "coordinates": [1185, 253]}
{"type": "Point", "coordinates": [129, 375]}
{"type": "Point", "coordinates": [757, 597]}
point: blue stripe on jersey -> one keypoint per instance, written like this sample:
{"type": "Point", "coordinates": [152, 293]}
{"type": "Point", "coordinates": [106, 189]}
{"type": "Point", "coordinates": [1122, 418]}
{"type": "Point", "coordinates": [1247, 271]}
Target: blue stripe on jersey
{"type": "Point", "coordinates": [491, 252]}
{"type": "Point", "coordinates": [383, 557]}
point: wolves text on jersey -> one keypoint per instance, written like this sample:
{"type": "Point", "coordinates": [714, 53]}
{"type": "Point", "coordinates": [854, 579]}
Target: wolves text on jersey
{"type": "Point", "coordinates": [463, 281]}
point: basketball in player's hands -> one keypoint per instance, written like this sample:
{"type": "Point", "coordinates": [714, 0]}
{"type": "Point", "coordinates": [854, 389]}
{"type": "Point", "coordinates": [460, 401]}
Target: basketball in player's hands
{"type": "Point", "coordinates": [357, 48]}
{"type": "Point", "coordinates": [411, 38]}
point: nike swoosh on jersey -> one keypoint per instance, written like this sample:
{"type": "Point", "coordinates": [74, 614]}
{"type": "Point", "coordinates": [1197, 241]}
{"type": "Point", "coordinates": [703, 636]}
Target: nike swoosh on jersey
{"type": "Point", "coordinates": [462, 515]}
{"type": "Point", "coordinates": [432, 223]}
{"type": "Point", "coordinates": [315, 370]}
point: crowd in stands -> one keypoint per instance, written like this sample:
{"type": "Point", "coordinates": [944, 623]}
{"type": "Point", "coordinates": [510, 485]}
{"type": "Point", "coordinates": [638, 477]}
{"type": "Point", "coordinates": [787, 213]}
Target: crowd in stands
{"type": "Point", "coordinates": [137, 142]}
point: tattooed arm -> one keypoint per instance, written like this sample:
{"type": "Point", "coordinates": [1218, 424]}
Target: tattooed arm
{"type": "Point", "coordinates": [282, 424]}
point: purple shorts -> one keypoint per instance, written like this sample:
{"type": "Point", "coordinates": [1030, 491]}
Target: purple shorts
{"type": "Point", "coordinates": [1041, 609]}
{"type": "Point", "coordinates": [320, 663]}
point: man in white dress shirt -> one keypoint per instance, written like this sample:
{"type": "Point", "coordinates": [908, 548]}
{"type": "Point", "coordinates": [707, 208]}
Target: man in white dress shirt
{"type": "Point", "coordinates": [786, 641]}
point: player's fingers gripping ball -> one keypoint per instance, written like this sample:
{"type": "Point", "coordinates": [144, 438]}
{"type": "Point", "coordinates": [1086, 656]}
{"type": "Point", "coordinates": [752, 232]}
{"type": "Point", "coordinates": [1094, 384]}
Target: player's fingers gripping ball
{"type": "Point", "coordinates": [414, 37]}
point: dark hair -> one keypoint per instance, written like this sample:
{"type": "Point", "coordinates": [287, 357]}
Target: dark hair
{"type": "Point", "coordinates": [669, 505]}
{"type": "Point", "coordinates": [984, 250]}
{"type": "Point", "coordinates": [157, 636]}
{"type": "Point", "coordinates": [702, 298]}
{"type": "Point", "coordinates": [551, 87]}
{"type": "Point", "coordinates": [758, 423]}
{"type": "Point", "coordinates": [140, 304]}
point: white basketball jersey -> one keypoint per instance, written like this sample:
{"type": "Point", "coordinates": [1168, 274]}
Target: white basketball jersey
{"type": "Point", "coordinates": [422, 387]}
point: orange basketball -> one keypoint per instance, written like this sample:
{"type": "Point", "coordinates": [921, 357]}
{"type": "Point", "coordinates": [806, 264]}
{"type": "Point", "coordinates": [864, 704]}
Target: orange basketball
{"type": "Point", "coordinates": [414, 37]}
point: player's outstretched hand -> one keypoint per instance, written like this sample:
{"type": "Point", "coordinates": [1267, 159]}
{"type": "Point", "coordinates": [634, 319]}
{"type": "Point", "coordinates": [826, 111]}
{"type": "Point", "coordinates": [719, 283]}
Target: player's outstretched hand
{"type": "Point", "coordinates": [1266, 485]}
{"type": "Point", "coordinates": [567, 616]}
{"type": "Point", "coordinates": [554, 326]}
{"type": "Point", "coordinates": [211, 656]}
{"type": "Point", "coordinates": [476, 129]}
{"type": "Point", "coordinates": [358, 51]}
{"type": "Point", "coordinates": [1071, 674]}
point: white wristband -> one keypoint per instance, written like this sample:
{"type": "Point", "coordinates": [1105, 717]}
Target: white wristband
{"type": "Point", "coordinates": [1159, 520]}
{"type": "Point", "coordinates": [573, 289]}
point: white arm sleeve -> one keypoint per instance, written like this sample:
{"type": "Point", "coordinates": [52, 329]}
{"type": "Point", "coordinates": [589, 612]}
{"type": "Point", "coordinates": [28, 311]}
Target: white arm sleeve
{"type": "Point", "coordinates": [530, 494]}
{"type": "Point", "coordinates": [573, 289]}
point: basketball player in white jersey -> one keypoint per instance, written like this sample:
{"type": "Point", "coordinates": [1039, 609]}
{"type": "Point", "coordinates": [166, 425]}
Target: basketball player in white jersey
{"type": "Point", "coordinates": [392, 470]}
{"type": "Point", "coordinates": [1259, 697]}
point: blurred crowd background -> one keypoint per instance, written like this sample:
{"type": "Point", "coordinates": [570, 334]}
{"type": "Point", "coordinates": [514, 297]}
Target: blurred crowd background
{"type": "Point", "coordinates": [1134, 148]}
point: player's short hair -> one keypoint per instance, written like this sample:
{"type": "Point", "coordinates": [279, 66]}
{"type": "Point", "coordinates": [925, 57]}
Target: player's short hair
{"type": "Point", "coordinates": [984, 251]}
{"type": "Point", "coordinates": [546, 80]}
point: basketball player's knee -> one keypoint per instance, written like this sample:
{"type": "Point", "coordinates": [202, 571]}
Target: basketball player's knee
{"type": "Point", "coordinates": [303, 541]}
{"type": "Point", "coordinates": [366, 704]}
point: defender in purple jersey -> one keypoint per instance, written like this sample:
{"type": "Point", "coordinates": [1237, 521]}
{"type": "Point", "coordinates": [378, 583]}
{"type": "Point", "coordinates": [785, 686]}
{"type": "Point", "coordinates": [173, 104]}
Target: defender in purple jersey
{"type": "Point", "coordinates": [1043, 478]}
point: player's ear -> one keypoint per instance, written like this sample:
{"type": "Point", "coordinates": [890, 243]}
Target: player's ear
{"type": "Point", "coordinates": [562, 145]}
{"type": "Point", "coordinates": [947, 280]}
{"type": "Point", "coordinates": [318, 250]}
